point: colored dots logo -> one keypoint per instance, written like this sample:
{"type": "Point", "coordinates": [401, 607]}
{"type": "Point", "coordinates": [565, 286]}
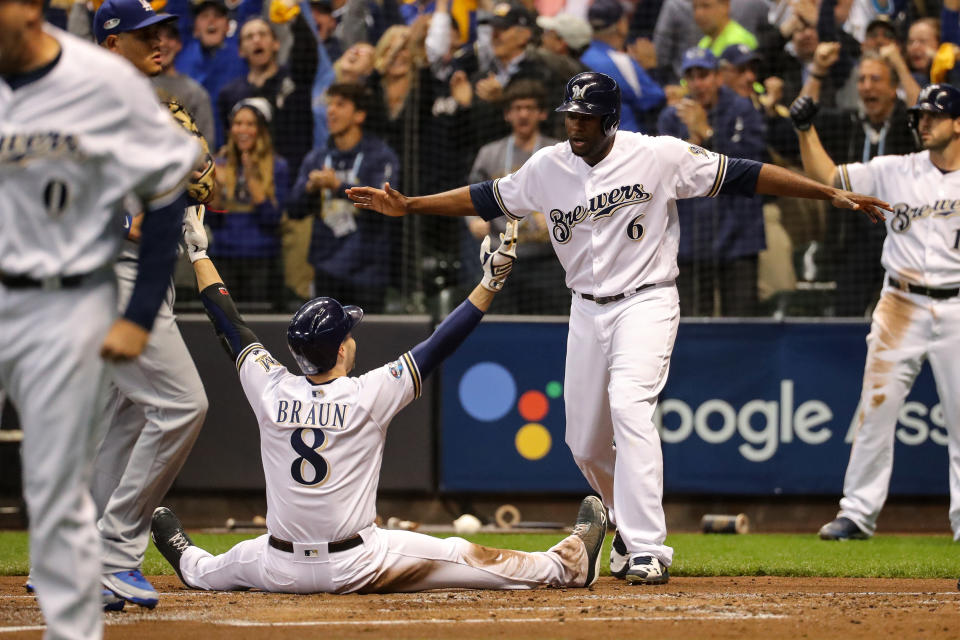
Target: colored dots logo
{"type": "Point", "coordinates": [533, 406]}
{"type": "Point", "coordinates": [533, 441]}
{"type": "Point", "coordinates": [487, 391]}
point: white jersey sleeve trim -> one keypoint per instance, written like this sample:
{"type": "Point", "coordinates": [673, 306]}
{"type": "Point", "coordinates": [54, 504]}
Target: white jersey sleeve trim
{"type": "Point", "coordinates": [500, 202]}
{"type": "Point", "coordinates": [721, 174]}
{"type": "Point", "coordinates": [414, 370]}
{"type": "Point", "coordinates": [246, 351]}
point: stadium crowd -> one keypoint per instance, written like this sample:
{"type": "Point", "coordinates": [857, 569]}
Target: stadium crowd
{"type": "Point", "coordinates": [304, 100]}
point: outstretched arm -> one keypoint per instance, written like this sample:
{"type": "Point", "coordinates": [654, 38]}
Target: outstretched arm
{"type": "Point", "coordinates": [451, 333]}
{"type": "Point", "coordinates": [391, 202]}
{"type": "Point", "coordinates": [777, 181]}
{"type": "Point", "coordinates": [233, 332]}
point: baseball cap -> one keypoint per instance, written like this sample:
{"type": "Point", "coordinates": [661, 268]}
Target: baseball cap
{"type": "Point", "coordinates": [699, 58]}
{"type": "Point", "coordinates": [604, 13]}
{"type": "Point", "coordinates": [121, 16]}
{"type": "Point", "coordinates": [738, 54]}
{"type": "Point", "coordinates": [510, 14]}
{"type": "Point", "coordinates": [884, 21]}
{"type": "Point", "coordinates": [571, 29]}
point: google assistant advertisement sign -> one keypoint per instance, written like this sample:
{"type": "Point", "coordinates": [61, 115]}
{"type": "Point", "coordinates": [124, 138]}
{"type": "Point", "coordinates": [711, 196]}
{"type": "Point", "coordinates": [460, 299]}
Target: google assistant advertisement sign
{"type": "Point", "coordinates": [750, 409]}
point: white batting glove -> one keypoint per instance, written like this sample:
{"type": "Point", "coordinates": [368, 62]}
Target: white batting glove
{"type": "Point", "coordinates": [194, 235]}
{"type": "Point", "coordinates": [498, 264]}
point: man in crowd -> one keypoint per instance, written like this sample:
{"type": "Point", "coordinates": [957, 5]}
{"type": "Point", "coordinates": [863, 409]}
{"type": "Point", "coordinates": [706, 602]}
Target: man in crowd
{"type": "Point", "coordinates": [720, 237]}
{"type": "Point", "coordinates": [182, 87]}
{"type": "Point", "coordinates": [713, 18]}
{"type": "Point", "coordinates": [351, 250]}
{"type": "Point", "coordinates": [641, 95]}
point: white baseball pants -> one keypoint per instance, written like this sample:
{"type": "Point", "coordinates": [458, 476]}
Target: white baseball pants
{"type": "Point", "coordinates": [618, 357]}
{"type": "Point", "coordinates": [50, 365]}
{"type": "Point", "coordinates": [155, 407]}
{"type": "Point", "coordinates": [906, 329]}
{"type": "Point", "coordinates": [387, 562]}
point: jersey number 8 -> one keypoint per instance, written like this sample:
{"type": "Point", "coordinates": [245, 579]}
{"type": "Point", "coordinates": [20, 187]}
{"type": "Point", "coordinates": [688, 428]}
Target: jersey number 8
{"type": "Point", "coordinates": [310, 458]}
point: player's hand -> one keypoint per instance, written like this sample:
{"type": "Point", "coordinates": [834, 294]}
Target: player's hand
{"type": "Point", "coordinates": [802, 112]}
{"type": "Point", "coordinates": [387, 201]}
{"type": "Point", "coordinates": [124, 341]}
{"type": "Point", "coordinates": [498, 264]}
{"type": "Point", "coordinates": [194, 235]}
{"type": "Point", "coordinates": [871, 206]}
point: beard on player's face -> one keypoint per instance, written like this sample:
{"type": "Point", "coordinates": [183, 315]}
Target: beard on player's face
{"type": "Point", "coordinates": [936, 132]}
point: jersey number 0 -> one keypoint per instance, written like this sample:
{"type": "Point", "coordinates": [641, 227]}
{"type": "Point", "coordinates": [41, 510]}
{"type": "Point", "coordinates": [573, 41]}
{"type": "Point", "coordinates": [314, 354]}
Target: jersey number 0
{"type": "Point", "coordinates": [310, 469]}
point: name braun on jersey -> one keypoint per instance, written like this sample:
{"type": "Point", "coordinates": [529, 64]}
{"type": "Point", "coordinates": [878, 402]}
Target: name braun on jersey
{"type": "Point", "coordinates": [600, 206]}
{"type": "Point", "coordinates": [20, 147]}
{"type": "Point", "coordinates": [322, 414]}
{"type": "Point", "coordinates": [904, 214]}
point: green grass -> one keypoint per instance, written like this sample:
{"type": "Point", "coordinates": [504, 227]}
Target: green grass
{"type": "Point", "coordinates": [694, 554]}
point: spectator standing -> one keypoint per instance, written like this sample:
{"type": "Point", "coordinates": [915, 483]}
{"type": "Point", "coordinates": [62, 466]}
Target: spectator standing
{"type": "Point", "coordinates": [880, 128]}
{"type": "Point", "coordinates": [713, 18]}
{"type": "Point", "coordinates": [184, 88]}
{"type": "Point", "coordinates": [245, 218]}
{"type": "Point", "coordinates": [322, 13]}
{"type": "Point", "coordinates": [541, 289]}
{"type": "Point", "coordinates": [640, 95]}
{"type": "Point", "coordinates": [719, 238]}
{"type": "Point", "coordinates": [563, 40]}
{"type": "Point", "coordinates": [287, 88]}
{"type": "Point", "coordinates": [923, 40]}
{"type": "Point", "coordinates": [350, 248]}
{"type": "Point", "coordinates": [211, 58]}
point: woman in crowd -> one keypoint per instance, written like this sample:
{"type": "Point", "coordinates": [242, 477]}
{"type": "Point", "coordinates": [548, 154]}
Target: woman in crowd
{"type": "Point", "coordinates": [245, 218]}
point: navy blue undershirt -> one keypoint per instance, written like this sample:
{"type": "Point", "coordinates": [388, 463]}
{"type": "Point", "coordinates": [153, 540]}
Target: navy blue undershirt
{"type": "Point", "coordinates": [448, 335]}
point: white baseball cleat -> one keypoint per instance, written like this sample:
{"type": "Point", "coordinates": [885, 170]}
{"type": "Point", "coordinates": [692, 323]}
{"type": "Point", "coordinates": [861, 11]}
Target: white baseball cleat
{"type": "Point", "coordinates": [619, 558]}
{"type": "Point", "coordinates": [647, 569]}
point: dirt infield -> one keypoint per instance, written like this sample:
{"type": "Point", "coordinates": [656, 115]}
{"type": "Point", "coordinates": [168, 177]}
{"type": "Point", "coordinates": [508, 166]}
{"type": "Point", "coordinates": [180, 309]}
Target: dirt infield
{"type": "Point", "coordinates": [685, 608]}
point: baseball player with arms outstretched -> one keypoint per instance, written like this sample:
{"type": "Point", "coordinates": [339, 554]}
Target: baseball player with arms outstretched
{"type": "Point", "coordinates": [610, 199]}
{"type": "Point", "coordinates": [156, 404]}
{"type": "Point", "coordinates": [321, 440]}
{"type": "Point", "coordinates": [918, 315]}
{"type": "Point", "coordinates": [69, 153]}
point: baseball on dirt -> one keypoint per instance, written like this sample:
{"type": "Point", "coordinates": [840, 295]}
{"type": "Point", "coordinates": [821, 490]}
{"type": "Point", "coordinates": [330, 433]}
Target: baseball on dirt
{"type": "Point", "coordinates": [466, 524]}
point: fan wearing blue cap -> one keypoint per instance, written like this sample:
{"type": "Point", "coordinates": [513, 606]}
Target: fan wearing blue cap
{"type": "Point", "coordinates": [130, 28]}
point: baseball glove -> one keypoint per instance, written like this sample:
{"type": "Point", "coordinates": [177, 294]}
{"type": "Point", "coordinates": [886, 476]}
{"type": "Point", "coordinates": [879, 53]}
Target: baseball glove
{"type": "Point", "coordinates": [199, 188]}
{"type": "Point", "coordinates": [802, 112]}
{"type": "Point", "coordinates": [498, 264]}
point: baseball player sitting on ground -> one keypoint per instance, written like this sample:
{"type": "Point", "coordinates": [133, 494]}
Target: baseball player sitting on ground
{"type": "Point", "coordinates": [156, 404]}
{"type": "Point", "coordinates": [321, 441]}
{"type": "Point", "coordinates": [610, 198]}
{"type": "Point", "coordinates": [918, 315]}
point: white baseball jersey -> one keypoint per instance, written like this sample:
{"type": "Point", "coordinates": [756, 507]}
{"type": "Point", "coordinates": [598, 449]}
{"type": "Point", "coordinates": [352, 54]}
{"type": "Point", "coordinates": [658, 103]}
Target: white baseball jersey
{"type": "Point", "coordinates": [322, 444]}
{"type": "Point", "coordinates": [923, 232]}
{"type": "Point", "coordinates": [614, 225]}
{"type": "Point", "coordinates": [65, 178]}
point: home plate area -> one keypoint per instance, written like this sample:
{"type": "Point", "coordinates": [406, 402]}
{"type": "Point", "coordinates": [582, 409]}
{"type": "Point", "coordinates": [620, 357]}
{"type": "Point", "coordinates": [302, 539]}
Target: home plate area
{"type": "Point", "coordinates": [729, 607]}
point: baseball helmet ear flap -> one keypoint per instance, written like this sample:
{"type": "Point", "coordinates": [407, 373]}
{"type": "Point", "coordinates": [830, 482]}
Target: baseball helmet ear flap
{"type": "Point", "coordinates": [316, 332]}
{"type": "Point", "coordinates": [595, 94]}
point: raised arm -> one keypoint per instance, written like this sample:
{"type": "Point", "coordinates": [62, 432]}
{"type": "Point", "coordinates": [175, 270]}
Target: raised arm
{"type": "Point", "coordinates": [233, 332]}
{"type": "Point", "coordinates": [816, 160]}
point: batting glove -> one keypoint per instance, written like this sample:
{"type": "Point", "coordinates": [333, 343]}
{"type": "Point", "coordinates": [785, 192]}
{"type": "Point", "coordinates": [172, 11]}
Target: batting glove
{"type": "Point", "coordinates": [498, 264]}
{"type": "Point", "coordinates": [194, 235]}
{"type": "Point", "coordinates": [802, 112]}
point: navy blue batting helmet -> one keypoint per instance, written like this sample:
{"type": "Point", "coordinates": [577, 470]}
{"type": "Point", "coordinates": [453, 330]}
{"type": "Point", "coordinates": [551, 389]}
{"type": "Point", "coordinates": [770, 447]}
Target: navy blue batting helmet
{"type": "Point", "coordinates": [595, 94]}
{"type": "Point", "coordinates": [316, 332]}
{"type": "Point", "coordinates": [941, 99]}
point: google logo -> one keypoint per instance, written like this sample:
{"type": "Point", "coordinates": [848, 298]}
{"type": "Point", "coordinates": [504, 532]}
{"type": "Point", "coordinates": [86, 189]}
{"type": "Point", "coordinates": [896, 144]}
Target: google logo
{"type": "Point", "coordinates": [488, 392]}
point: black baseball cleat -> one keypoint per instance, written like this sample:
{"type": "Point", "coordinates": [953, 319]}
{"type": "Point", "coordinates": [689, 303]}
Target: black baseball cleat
{"type": "Point", "coordinates": [619, 558]}
{"type": "Point", "coordinates": [169, 537]}
{"type": "Point", "coordinates": [591, 527]}
{"type": "Point", "coordinates": [842, 528]}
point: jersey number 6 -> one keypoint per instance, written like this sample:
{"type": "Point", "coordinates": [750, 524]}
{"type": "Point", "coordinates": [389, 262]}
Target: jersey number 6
{"type": "Point", "coordinates": [635, 229]}
{"type": "Point", "coordinates": [309, 458]}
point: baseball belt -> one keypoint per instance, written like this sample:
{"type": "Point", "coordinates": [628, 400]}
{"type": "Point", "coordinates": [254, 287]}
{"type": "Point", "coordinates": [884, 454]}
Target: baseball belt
{"type": "Point", "coordinates": [614, 298]}
{"type": "Point", "coordinates": [332, 547]}
{"type": "Point", "coordinates": [50, 283]}
{"type": "Point", "coordinates": [937, 294]}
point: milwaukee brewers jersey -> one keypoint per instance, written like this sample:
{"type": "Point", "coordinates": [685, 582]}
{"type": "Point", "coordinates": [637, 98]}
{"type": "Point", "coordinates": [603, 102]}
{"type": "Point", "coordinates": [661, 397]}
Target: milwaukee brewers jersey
{"type": "Point", "coordinates": [923, 232]}
{"type": "Point", "coordinates": [614, 225]}
{"type": "Point", "coordinates": [63, 179]}
{"type": "Point", "coordinates": [322, 444]}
